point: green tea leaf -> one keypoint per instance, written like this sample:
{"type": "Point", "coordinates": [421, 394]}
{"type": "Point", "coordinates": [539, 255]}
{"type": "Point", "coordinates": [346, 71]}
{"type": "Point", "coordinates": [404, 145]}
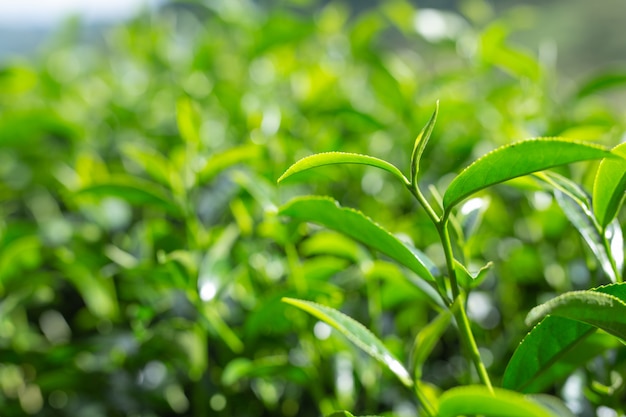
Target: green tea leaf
{"type": "Point", "coordinates": [576, 205]}
{"type": "Point", "coordinates": [328, 212]}
{"type": "Point", "coordinates": [420, 144]}
{"type": "Point", "coordinates": [609, 187]}
{"type": "Point", "coordinates": [551, 351]}
{"type": "Point", "coordinates": [357, 334]}
{"type": "Point", "coordinates": [555, 347]}
{"type": "Point", "coordinates": [515, 160]}
{"type": "Point", "coordinates": [601, 82]}
{"type": "Point", "coordinates": [472, 400]}
{"type": "Point", "coordinates": [134, 191]}
{"type": "Point", "coordinates": [333, 158]}
{"type": "Point", "coordinates": [470, 280]}
{"type": "Point", "coordinates": [597, 309]}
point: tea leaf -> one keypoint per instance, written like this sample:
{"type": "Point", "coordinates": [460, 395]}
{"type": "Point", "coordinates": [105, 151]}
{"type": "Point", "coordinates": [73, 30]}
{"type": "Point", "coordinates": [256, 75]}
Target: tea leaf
{"type": "Point", "coordinates": [576, 205]}
{"type": "Point", "coordinates": [420, 145]}
{"type": "Point", "coordinates": [551, 351]}
{"type": "Point", "coordinates": [356, 333]}
{"type": "Point", "coordinates": [471, 400]}
{"type": "Point", "coordinates": [426, 340]}
{"type": "Point", "coordinates": [555, 347]}
{"type": "Point", "coordinates": [333, 158]}
{"type": "Point", "coordinates": [598, 309]}
{"type": "Point", "coordinates": [609, 187]}
{"type": "Point", "coordinates": [353, 223]}
{"type": "Point", "coordinates": [515, 160]}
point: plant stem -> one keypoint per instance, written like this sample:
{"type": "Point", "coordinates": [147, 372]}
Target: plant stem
{"type": "Point", "coordinates": [465, 329]}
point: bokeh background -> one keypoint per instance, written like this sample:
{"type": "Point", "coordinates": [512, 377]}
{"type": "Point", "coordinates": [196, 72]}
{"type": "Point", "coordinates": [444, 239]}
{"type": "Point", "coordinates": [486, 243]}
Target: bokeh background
{"type": "Point", "coordinates": [141, 260]}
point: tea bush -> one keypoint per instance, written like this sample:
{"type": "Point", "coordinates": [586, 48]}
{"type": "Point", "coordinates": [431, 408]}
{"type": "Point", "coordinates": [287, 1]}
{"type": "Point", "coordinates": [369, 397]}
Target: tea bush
{"type": "Point", "coordinates": [145, 246]}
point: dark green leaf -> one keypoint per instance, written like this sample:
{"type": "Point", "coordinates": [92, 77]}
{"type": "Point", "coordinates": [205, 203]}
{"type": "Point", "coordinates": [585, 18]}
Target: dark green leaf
{"type": "Point", "coordinates": [353, 223]}
{"type": "Point", "coordinates": [595, 308]}
{"type": "Point", "coordinates": [356, 333]}
{"type": "Point", "coordinates": [518, 159]}
{"type": "Point", "coordinates": [333, 158]}
{"type": "Point", "coordinates": [555, 347]}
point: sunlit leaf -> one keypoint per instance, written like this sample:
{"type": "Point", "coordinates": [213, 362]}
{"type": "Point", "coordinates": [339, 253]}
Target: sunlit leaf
{"type": "Point", "coordinates": [334, 158]}
{"type": "Point", "coordinates": [357, 334]}
{"type": "Point", "coordinates": [602, 82]}
{"type": "Point", "coordinates": [222, 160]}
{"type": "Point", "coordinates": [515, 160]}
{"type": "Point", "coordinates": [598, 309]}
{"type": "Point", "coordinates": [555, 347]}
{"type": "Point", "coordinates": [353, 223]}
{"type": "Point", "coordinates": [577, 207]}
{"type": "Point", "coordinates": [478, 400]}
{"type": "Point", "coordinates": [609, 187]}
{"type": "Point", "coordinates": [420, 144]}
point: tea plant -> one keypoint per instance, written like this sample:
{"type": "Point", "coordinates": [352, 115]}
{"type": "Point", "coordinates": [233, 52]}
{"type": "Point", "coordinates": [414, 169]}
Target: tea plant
{"type": "Point", "coordinates": [566, 328]}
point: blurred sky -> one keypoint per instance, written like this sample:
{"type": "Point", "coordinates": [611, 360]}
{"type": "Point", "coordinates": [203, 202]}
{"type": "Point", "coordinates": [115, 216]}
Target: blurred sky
{"type": "Point", "coordinates": [48, 13]}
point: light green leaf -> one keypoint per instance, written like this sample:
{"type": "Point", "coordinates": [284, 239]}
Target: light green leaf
{"type": "Point", "coordinates": [154, 164]}
{"type": "Point", "coordinates": [576, 205]}
{"type": "Point", "coordinates": [515, 160]}
{"type": "Point", "coordinates": [601, 82]}
{"type": "Point", "coordinates": [189, 120]}
{"type": "Point", "coordinates": [333, 158]}
{"type": "Point", "coordinates": [357, 334]}
{"type": "Point", "coordinates": [470, 280]}
{"type": "Point", "coordinates": [420, 144]}
{"type": "Point", "coordinates": [555, 347]}
{"type": "Point", "coordinates": [473, 400]}
{"type": "Point", "coordinates": [598, 309]}
{"type": "Point", "coordinates": [328, 212]}
{"type": "Point", "coordinates": [609, 186]}
{"type": "Point", "coordinates": [133, 191]}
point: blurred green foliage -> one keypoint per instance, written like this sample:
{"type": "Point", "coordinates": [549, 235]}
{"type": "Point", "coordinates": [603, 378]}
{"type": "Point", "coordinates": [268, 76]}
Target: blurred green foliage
{"type": "Point", "coordinates": [141, 260]}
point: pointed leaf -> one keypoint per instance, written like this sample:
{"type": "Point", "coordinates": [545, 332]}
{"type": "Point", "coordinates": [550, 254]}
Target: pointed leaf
{"type": "Point", "coordinates": [357, 334]}
{"type": "Point", "coordinates": [554, 348]}
{"type": "Point", "coordinates": [609, 186]}
{"type": "Point", "coordinates": [468, 280]}
{"type": "Point", "coordinates": [473, 400]}
{"type": "Point", "coordinates": [328, 212]}
{"type": "Point", "coordinates": [333, 158]}
{"type": "Point", "coordinates": [518, 159]}
{"type": "Point", "coordinates": [576, 205]}
{"type": "Point", "coordinates": [600, 310]}
{"type": "Point", "coordinates": [420, 145]}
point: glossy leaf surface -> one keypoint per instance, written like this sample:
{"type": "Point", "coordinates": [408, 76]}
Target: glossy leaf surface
{"type": "Point", "coordinates": [609, 187]}
{"type": "Point", "coordinates": [515, 160]}
{"type": "Point", "coordinates": [328, 212]}
{"type": "Point", "coordinates": [334, 158]}
{"type": "Point", "coordinates": [576, 205]}
{"type": "Point", "coordinates": [357, 334]}
{"type": "Point", "coordinates": [474, 400]}
{"type": "Point", "coordinates": [420, 144]}
{"type": "Point", "coordinates": [601, 310]}
{"type": "Point", "coordinates": [555, 346]}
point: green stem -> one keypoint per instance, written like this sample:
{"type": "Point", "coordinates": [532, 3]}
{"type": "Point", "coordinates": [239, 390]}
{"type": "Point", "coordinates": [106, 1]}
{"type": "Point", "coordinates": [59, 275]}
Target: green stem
{"type": "Point", "coordinates": [465, 329]}
{"type": "Point", "coordinates": [607, 248]}
{"type": "Point", "coordinates": [429, 409]}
